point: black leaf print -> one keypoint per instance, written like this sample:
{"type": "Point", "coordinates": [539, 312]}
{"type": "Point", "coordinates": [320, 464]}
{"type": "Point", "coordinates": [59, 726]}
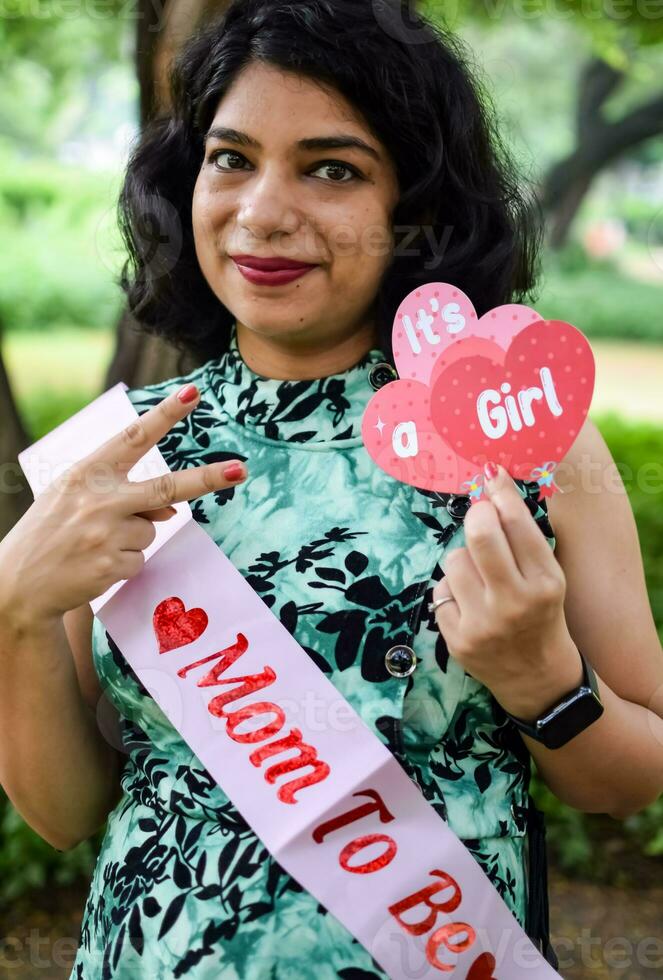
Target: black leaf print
{"type": "Point", "coordinates": [441, 652]}
{"type": "Point", "coordinates": [429, 520]}
{"type": "Point", "coordinates": [289, 616]}
{"type": "Point", "coordinates": [135, 931]}
{"type": "Point", "coordinates": [368, 592]}
{"type": "Point", "coordinates": [172, 914]}
{"type": "Point", "coordinates": [191, 838]}
{"type": "Point", "coordinates": [372, 662]}
{"type": "Point", "coordinates": [482, 776]}
{"type": "Point", "coordinates": [303, 436]}
{"type": "Point", "coordinates": [353, 973]}
{"type": "Point", "coordinates": [342, 620]}
{"type": "Point", "coordinates": [258, 909]}
{"type": "Point", "coordinates": [356, 563]}
{"type": "Point", "coordinates": [180, 830]}
{"type": "Point", "coordinates": [259, 584]}
{"type": "Point", "coordinates": [118, 946]}
{"type": "Point", "coordinates": [346, 434]}
{"type": "Point", "coordinates": [330, 574]}
{"type": "Point", "coordinates": [151, 907]}
{"type": "Point", "coordinates": [303, 408]}
{"type": "Point", "coordinates": [207, 892]}
{"type": "Point", "coordinates": [319, 660]}
{"type": "Point", "coordinates": [287, 393]}
{"type": "Point", "coordinates": [181, 874]}
{"type": "Point", "coordinates": [198, 512]}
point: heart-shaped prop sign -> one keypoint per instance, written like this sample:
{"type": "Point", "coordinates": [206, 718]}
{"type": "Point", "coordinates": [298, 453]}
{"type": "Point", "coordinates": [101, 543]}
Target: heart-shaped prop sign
{"type": "Point", "coordinates": [508, 387]}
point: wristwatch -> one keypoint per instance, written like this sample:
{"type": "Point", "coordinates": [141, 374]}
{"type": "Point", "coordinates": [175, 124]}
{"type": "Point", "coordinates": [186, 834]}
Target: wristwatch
{"type": "Point", "coordinates": [570, 716]}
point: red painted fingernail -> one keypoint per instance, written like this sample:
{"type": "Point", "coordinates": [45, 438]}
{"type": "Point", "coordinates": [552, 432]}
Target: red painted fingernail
{"type": "Point", "coordinates": [187, 394]}
{"type": "Point", "coordinates": [234, 472]}
{"type": "Point", "coordinates": [490, 470]}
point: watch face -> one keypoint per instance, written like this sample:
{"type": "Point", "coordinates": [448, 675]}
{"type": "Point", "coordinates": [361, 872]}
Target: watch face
{"type": "Point", "coordinates": [571, 719]}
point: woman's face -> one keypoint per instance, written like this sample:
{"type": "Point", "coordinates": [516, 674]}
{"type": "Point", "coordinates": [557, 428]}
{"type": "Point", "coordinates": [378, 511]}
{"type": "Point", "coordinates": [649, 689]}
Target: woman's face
{"type": "Point", "coordinates": [260, 193]}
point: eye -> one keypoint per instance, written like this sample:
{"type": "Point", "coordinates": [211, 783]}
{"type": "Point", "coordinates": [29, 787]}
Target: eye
{"type": "Point", "coordinates": [213, 157]}
{"type": "Point", "coordinates": [336, 165]}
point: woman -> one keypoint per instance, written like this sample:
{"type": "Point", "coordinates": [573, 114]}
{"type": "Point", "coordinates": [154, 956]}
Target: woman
{"type": "Point", "coordinates": [311, 134]}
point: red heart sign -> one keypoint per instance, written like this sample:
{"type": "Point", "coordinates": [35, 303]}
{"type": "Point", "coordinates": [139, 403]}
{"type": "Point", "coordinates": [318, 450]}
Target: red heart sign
{"type": "Point", "coordinates": [517, 407]}
{"type": "Point", "coordinates": [439, 422]}
{"type": "Point", "coordinates": [482, 968]}
{"type": "Point", "coordinates": [174, 627]}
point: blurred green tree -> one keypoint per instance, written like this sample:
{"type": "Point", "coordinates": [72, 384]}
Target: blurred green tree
{"type": "Point", "coordinates": [618, 31]}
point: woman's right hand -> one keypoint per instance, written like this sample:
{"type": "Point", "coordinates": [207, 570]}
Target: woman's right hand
{"type": "Point", "coordinates": [89, 528]}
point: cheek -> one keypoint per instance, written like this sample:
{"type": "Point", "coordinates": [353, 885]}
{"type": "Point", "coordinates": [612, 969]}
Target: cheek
{"type": "Point", "coordinates": [201, 218]}
{"type": "Point", "coordinates": [363, 246]}
{"type": "Point", "coordinates": [206, 217]}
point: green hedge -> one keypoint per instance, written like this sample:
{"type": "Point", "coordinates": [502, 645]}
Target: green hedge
{"type": "Point", "coordinates": [608, 302]}
{"type": "Point", "coordinates": [61, 246]}
{"type": "Point", "coordinates": [26, 860]}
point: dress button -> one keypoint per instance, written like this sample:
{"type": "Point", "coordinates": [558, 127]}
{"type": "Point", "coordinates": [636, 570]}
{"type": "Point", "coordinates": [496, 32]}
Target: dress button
{"type": "Point", "coordinates": [458, 506]}
{"type": "Point", "coordinates": [381, 374]}
{"type": "Point", "coordinates": [400, 660]}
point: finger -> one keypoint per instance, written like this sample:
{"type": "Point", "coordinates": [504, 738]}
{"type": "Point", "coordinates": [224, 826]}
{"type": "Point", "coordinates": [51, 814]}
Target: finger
{"type": "Point", "coordinates": [447, 616]}
{"type": "Point", "coordinates": [136, 533]}
{"type": "Point", "coordinates": [529, 548]}
{"type": "Point", "coordinates": [490, 548]}
{"type": "Point", "coordinates": [162, 514]}
{"type": "Point", "coordinates": [463, 579]}
{"type": "Point", "coordinates": [131, 443]}
{"type": "Point", "coordinates": [130, 564]}
{"type": "Point", "coordinates": [174, 487]}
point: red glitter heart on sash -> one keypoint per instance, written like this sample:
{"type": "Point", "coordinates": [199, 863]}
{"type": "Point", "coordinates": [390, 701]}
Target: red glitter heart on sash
{"type": "Point", "coordinates": [174, 626]}
{"type": "Point", "coordinates": [482, 968]}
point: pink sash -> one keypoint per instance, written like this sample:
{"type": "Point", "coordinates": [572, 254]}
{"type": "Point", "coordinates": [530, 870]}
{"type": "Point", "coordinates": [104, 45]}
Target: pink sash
{"type": "Point", "coordinates": [330, 802]}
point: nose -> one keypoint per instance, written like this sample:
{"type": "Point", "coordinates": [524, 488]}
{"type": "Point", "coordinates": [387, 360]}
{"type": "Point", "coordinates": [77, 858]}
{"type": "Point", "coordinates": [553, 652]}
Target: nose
{"type": "Point", "coordinates": [266, 205]}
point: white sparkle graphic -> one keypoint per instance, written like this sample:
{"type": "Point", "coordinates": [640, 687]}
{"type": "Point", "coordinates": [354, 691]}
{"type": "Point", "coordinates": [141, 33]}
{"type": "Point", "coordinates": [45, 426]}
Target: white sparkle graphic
{"type": "Point", "coordinates": [379, 425]}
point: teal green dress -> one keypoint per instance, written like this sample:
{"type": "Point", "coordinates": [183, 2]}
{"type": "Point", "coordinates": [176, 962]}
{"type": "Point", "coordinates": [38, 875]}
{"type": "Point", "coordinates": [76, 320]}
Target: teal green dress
{"type": "Point", "coordinates": [346, 557]}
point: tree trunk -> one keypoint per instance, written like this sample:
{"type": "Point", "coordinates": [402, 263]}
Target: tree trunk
{"type": "Point", "coordinates": [15, 495]}
{"type": "Point", "coordinates": [599, 142]}
{"type": "Point", "coordinates": [139, 358]}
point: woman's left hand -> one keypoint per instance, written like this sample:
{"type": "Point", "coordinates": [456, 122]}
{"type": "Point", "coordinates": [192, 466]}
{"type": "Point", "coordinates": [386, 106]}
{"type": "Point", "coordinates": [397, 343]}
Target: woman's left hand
{"type": "Point", "coordinates": [507, 626]}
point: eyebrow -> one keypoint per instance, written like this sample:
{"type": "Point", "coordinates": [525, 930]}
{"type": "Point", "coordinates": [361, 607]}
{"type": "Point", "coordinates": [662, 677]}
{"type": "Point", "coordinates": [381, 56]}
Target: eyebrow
{"type": "Point", "coordinates": [338, 141]}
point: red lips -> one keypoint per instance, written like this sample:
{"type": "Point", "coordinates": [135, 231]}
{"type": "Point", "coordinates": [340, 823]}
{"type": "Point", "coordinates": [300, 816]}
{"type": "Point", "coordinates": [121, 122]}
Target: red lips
{"type": "Point", "coordinates": [270, 264]}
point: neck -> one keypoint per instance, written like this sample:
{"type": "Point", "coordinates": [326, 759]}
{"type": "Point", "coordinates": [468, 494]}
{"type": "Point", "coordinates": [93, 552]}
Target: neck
{"type": "Point", "coordinates": [302, 357]}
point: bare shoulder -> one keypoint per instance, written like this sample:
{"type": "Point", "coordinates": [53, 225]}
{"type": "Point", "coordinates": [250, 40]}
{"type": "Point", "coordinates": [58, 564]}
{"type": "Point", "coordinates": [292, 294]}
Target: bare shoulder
{"type": "Point", "coordinates": [607, 607]}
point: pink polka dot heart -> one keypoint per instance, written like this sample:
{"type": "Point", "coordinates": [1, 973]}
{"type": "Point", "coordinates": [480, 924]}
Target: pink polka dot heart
{"type": "Point", "coordinates": [517, 407]}
{"type": "Point", "coordinates": [507, 386]}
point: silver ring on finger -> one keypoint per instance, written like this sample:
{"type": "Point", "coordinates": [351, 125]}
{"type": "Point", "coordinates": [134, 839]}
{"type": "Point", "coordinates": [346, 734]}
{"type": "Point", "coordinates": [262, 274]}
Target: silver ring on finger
{"type": "Point", "coordinates": [432, 606]}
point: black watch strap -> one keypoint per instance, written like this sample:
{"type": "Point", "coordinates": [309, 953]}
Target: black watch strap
{"type": "Point", "coordinates": [570, 716]}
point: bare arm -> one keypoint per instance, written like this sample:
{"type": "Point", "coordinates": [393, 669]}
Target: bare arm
{"type": "Point", "coordinates": [59, 755]}
{"type": "Point", "coordinates": [615, 766]}
{"type": "Point", "coordinates": [57, 768]}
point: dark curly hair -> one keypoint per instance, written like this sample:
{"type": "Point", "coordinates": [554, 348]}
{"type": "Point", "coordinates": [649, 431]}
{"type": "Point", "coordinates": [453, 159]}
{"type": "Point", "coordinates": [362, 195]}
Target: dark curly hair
{"type": "Point", "coordinates": [418, 96]}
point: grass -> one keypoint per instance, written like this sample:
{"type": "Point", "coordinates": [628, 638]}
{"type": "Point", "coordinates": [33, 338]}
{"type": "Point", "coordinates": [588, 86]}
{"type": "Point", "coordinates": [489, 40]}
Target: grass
{"type": "Point", "coordinates": [55, 373]}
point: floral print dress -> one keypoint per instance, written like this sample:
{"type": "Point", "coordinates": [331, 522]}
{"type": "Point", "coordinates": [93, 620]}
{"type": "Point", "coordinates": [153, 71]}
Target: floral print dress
{"type": "Point", "coordinates": [346, 557]}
